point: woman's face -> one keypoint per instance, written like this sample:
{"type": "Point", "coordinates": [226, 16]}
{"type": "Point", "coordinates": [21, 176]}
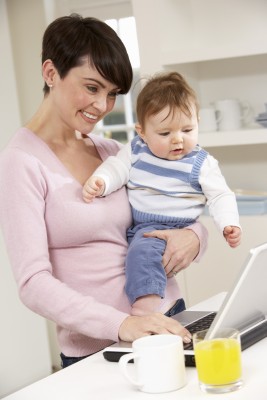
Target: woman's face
{"type": "Point", "coordinates": [83, 97]}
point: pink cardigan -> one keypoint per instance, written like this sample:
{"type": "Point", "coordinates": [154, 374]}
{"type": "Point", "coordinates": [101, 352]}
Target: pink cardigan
{"type": "Point", "coordinates": [67, 256]}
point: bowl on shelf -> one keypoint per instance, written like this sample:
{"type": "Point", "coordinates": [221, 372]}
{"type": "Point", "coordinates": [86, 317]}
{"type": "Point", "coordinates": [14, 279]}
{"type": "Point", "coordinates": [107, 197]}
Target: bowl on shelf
{"type": "Point", "coordinates": [262, 115]}
{"type": "Point", "coordinates": [262, 122]}
{"type": "Point", "coordinates": [251, 202]}
{"type": "Point", "coordinates": [262, 119]}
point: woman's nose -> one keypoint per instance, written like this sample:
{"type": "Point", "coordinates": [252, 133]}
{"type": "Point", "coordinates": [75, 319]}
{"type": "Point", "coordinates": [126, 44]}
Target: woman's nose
{"type": "Point", "coordinates": [100, 103]}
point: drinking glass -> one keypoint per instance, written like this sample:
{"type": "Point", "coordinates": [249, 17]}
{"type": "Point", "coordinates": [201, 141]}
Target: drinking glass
{"type": "Point", "coordinates": [218, 360]}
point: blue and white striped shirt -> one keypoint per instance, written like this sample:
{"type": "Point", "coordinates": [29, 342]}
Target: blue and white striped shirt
{"type": "Point", "coordinates": [165, 191]}
{"type": "Point", "coordinates": [170, 192]}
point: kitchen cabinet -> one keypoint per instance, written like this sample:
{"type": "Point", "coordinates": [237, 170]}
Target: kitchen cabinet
{"type": "Point", "coordinates": [192, 31]}
{"type": "Point", "coordinates": [218, 45]}
{"type": "Point", "coordinates": [220, 48]}
{"type": "Point", "coordinates": [233, 138]}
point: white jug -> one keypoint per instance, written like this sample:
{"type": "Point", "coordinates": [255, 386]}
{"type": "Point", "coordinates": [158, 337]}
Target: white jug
{"type": "Point", "coordinates": [232, 113]}
{"type": "Point", "coordinates": [208, 120]}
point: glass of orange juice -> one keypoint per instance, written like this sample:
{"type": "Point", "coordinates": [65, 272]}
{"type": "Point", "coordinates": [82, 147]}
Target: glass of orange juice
{"type": "Point", "coordinates": [218, 360]}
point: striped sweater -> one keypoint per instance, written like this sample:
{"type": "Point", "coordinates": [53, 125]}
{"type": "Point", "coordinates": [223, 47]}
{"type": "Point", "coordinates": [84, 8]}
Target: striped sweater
{"type": "Point", "coordinates": [170, 192]}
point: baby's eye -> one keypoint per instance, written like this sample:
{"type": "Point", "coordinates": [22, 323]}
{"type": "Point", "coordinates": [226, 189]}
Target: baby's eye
{"type": "Point", "coordinates": [164, 133]}
{"type": "Point", "coordinates": [187, 130]}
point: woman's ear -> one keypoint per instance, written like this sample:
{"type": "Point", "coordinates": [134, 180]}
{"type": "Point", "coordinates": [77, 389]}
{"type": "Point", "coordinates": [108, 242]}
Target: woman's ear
{"type": "Point", "coordinates": [140, 131]}
{"type": "Point", "coordinates": [49, 72]}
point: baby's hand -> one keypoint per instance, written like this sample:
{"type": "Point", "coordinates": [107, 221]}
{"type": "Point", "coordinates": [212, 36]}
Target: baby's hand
{"type": "Point", "coordinates": [93, 187]}
{"type": "Point", "coordinates": [232, 235]}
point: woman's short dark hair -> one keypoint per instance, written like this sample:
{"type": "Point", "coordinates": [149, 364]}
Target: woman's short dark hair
{"type": "Point", "coordinates": [69, 39]}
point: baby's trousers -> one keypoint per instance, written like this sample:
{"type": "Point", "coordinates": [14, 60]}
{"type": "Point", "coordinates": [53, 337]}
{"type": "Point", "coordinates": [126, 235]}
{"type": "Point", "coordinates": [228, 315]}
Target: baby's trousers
{"type": "Point", "coordinates": [144, 270]}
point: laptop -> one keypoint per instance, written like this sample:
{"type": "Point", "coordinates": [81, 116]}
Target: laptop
{"type": "Point", "coordinates": [244, 308]}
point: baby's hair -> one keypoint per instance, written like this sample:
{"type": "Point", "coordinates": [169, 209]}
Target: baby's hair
{"type": "Point", "coordinates": [165, 89]}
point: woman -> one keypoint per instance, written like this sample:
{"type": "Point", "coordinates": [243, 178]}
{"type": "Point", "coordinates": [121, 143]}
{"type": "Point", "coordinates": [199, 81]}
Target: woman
{"type": "Point", "coordinates": [68, 256]}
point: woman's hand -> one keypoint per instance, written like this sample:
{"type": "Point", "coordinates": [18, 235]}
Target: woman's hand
{"type": "Point", "coordinates": [134, 327]}
{"type": "Point", "coordinates": [182, 247]}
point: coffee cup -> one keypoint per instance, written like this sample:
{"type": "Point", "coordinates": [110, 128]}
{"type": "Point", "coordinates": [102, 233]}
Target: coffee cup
{"type": "Point", "coordinates": [232, 114]}
{"type": "Point", "coordinates": [208, 120]}
{"type": "Point", "coordinates": [159, 364]}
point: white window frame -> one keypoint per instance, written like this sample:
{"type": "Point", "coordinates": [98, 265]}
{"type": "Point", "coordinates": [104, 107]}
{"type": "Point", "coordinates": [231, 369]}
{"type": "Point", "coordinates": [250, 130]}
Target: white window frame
{"type": "Point", "coordinates": [128, 127]}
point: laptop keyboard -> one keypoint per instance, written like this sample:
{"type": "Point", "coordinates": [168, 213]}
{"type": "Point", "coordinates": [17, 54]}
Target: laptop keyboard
{"type": "Point", "coordinates": [199, 325]}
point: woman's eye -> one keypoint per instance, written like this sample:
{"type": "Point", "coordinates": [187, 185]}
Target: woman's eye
{"type": "Point", "coordinates": [113, 95]}
{"type": "Point", "coordinates": [92, 89]}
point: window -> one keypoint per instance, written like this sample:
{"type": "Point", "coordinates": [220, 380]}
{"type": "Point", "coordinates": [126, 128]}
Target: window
{"type": "Point", "coordinates": [119, 124]}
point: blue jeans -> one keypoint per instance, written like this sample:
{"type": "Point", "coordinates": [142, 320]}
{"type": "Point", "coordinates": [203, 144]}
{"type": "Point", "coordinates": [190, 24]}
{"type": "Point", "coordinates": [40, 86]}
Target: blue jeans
{"type": "Point", "coordinates": [176, 308]}
{"type": "Point", "coordinates": [144, 271]}
{"type": "Point", "coordinates": [143, 265]}
{"type": "Point", "coordinates": [67, 361]}
{"type": "Point", "coordinates": [179, 306]}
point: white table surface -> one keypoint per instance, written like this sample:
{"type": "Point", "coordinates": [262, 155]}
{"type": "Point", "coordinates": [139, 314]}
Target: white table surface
{"type": "Point", "coordinates": [95, 378]}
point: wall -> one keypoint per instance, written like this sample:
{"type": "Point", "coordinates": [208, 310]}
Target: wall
{"type": "Point", "coordinates": [26, 46]}
{"type": "Point", "coordinates": [221, 264]}
{"type": "Point", "coordinates": [25, 352]}
{"type": "Point", "coordinates": [9, 110]}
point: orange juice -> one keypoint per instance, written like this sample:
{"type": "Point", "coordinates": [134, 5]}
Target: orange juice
{"type": "Point", "coordinates": [218, 361]}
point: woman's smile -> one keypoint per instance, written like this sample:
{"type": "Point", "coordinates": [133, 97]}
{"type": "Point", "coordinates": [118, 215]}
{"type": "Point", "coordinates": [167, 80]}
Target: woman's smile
{"type": "Point", "coordinates": [91, 118]}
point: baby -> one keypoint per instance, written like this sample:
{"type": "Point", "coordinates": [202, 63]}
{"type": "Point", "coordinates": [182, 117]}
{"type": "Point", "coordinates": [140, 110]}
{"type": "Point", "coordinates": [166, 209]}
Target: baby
{"type": "Point", "coordinates": [169, 178]}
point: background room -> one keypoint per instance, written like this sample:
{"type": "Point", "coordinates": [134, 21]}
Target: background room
{"type": "Point", "coordinates": [220, 47]}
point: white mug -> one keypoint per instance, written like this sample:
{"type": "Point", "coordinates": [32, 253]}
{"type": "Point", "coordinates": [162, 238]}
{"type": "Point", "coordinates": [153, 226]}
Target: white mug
{"type": "Point", "coordinates": [208, 120]}
{"type": "Point", "coordinates": [232, 114]}
{"type": "Point", "coordinates": [158, 363]}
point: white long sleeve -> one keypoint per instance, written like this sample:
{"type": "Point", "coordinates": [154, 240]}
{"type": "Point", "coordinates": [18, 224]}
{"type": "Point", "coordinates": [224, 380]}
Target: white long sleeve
{"type": "Point", "coordinates": [115, 170]}
{"type": "Point", "coordinates": [220, 199]}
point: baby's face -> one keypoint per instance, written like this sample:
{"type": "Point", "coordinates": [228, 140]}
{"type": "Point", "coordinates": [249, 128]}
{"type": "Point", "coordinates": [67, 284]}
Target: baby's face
{"type": "Point", "coordinates": [171, 135]}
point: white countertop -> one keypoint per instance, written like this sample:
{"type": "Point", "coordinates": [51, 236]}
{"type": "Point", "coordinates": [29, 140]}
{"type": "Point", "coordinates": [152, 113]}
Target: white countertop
{"type": "Point", "coordinates": [95, 378]}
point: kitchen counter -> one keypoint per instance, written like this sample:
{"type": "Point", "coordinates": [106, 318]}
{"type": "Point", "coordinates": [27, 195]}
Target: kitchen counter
{"type": "Point", "coordinates": [97, 379]}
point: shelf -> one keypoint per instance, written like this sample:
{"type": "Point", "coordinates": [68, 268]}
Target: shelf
{"type": "Point", "coordinates": [208, 35]}
{"type": "Point", "coordinates": [198, 55]}
{"type": "Point", "coordinates": [233, 138]}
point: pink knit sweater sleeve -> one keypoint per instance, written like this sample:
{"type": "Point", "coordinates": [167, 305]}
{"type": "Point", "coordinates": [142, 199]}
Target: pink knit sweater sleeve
{"type": "Point", "coordinates": [202, 234]}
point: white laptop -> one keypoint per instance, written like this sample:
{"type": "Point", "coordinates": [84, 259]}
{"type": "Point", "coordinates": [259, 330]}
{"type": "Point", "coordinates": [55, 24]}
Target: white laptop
{"type": "Point", "coordinates": [244, 308]}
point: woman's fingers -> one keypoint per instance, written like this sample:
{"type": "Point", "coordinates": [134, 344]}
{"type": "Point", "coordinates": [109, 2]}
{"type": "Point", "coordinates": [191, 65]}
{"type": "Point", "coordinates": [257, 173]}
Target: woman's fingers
{"type": "Point", "coordinates": [134, 327]}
